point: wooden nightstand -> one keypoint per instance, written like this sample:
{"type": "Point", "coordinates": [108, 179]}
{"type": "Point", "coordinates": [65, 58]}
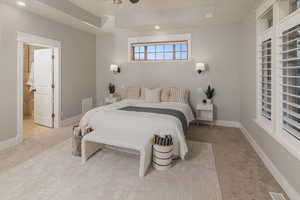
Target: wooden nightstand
{"type": "Point", "coordinates": [205, 113]}
{"type": "Point", "coordinates": [111, 100]}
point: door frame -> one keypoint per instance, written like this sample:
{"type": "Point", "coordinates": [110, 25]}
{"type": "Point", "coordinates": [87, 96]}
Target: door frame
{"type": "Point", "coordinates": [25, 38]}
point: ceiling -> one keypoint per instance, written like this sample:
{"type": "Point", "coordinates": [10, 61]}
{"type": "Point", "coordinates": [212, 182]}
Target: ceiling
{"type": "Point", "coordinates": [100, 16]}
{"type": "Point", "coordinates": [168, 13]}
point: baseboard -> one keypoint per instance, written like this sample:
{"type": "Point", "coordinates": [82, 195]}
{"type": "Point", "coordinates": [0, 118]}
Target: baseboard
{"type": "Point", "coordinates": [228, 123]}
{"type": "Point", "coordinates": [8, 143]}
{"type": "Point", "coordinates": [72, 120]}
{"type": "Point", "coordinates": [291, 192]}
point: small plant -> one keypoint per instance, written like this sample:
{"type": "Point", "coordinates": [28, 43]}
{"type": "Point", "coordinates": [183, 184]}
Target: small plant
{"type": "Point", "coordinates": [111, 88]}
{"type": "Point", "coordinates": [210, 92]}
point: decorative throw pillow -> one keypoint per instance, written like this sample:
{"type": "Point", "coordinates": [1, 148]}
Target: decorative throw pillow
{"type": "Point", "coordinates": [178, 95]}
{"type": "Point", "coordinates": [133, 92]}
{"type": "Point", "coordinates": [165, 94]}
{"type": "Point", "coordinates": [152, 95]}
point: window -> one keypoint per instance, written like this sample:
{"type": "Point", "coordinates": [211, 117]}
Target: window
{"type": "Point", "coordinates": [290, 81]}
{"type": "Point", "coordinates": [294, 5]}
{"type": "Point", "coordinates": [266, 79]}
{"type": "Point", "coordinates": [278, 72]}
{"type": "Point", "coordinates": [162, 51]}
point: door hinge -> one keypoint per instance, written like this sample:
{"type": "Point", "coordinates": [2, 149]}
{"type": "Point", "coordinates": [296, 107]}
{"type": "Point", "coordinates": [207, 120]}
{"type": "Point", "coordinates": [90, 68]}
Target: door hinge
{"type": "Point", "coordinates": [53, 86]}
{"type": "Point", "coordinates": [53, 57]}
{"type": "Point", "coordinates": [53, 115]}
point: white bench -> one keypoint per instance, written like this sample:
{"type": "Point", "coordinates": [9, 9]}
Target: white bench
{"type": "Point", "coordinates": [92, 142]}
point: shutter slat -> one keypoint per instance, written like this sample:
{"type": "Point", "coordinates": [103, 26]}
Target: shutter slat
{"type": "Point", "coordinates": [266, 85]}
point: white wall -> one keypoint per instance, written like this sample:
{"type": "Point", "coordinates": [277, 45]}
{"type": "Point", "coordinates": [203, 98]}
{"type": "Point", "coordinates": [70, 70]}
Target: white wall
{"type": "Point", "coordinates": [78, 63]}
{"type": "Point", "coordinates": [219, 46]}
{"type": "Point", "coordinates": [286, 163]}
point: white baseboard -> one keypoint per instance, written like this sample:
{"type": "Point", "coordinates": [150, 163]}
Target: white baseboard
{"type": "Point", "coordinates": [72, 120]}
{"type": "Point", "coordinates": [8, 143]}
{"type": "Point", "coordinates": [228, 123]}
{"type": "Point", "coordinates": [291, 192]}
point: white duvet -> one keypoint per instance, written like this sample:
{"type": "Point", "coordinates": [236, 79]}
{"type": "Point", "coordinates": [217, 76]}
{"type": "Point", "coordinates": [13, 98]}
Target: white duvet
{"type": "Point", "coordinates": [110, 119]}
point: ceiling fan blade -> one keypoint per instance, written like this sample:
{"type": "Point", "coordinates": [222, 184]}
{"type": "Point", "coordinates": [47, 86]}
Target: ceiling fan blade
{"type": "Point", "coordinates": [134, 1]}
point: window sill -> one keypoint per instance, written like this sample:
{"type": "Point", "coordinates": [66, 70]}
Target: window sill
{"type": "Point", "coordinates": [291, 144]}
{"type": "Point", "coordinates": [264, 126]}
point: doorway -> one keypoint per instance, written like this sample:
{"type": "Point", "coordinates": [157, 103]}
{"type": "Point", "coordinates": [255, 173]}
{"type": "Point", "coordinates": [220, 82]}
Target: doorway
{"type": "Point", "coordinates": [39, 99]}
{"type": "Point", "coordinates": [37, 90]}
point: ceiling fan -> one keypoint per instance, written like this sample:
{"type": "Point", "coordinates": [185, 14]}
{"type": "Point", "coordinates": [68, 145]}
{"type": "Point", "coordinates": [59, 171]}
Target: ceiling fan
{"type": "Point", "coordinates": [121, 1]}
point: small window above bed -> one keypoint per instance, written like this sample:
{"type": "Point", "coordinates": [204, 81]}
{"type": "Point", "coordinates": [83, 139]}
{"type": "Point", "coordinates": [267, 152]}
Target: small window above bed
{"type": "Point", "coordinates": [177, 50]}
{"type": "Point", "coordinates": [160, 48]}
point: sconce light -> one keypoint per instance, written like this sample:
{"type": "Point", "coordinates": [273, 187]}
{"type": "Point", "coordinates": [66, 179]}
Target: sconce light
{"type": "Point", "coordinates": [115, 68]}
{"type": "Point", "coordinates": [200, 67]}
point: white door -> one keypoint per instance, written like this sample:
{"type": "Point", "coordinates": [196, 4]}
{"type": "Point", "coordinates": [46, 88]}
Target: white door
{"type": "Point", "coordinates": [43, 81]}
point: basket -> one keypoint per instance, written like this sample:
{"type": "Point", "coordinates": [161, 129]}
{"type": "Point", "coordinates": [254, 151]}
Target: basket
{"type": "Point", "coordinates": [162, 157]}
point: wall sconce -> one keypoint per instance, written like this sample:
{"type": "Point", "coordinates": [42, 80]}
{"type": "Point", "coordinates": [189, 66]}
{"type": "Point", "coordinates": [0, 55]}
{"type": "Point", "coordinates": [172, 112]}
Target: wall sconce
{"type": "Point", "coordinates": [200, 67]}
{"type": "Point", "coordinates": [115, 68]}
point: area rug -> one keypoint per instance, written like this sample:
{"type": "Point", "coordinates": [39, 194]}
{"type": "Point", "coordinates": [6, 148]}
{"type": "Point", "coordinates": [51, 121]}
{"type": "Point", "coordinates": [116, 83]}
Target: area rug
{"type": "Point", "coordinates": [111, 175]}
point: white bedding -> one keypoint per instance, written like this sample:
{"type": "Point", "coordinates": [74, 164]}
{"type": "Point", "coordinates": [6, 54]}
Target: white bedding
{"type": "Point", "coordinates": [109, 119]}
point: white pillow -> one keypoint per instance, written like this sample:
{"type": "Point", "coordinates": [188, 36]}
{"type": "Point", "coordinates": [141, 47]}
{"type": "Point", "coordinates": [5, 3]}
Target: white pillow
{"type": "Point", "coordinates": [152, 95]}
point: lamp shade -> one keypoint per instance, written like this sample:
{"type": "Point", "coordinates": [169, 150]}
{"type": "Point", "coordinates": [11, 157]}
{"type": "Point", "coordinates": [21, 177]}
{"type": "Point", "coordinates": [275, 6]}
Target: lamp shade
{"type": "Point", "coordinates": [200, 67]}
{"type": "Point", "coordinates": [114, 68]}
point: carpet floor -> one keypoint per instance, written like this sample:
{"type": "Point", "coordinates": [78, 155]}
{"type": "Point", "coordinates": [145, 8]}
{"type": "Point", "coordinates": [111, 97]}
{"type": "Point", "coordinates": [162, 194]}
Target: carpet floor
{"type": "Point", "coordinates": [111, 175]}
{"type": "Point", "coordinates": [242, 175]}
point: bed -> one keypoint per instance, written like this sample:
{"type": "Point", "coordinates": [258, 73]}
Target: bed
{"type": "Point", "coordinates": [137, 117]}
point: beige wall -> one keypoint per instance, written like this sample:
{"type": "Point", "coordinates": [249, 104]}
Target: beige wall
{"type": "Point", "coordinates": [286, 163]}
{"type": "Point", "coordinates": [78, 63]}
{"type": "Point", "coordinates": [217, 45]}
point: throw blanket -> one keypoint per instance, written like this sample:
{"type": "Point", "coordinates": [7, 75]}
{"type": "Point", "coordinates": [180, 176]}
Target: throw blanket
{"type": "Point", "coordinates": [178, 114]}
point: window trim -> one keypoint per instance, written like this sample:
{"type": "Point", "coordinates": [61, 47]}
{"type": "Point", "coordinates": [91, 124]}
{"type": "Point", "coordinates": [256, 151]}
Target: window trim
{"type": "Point", "coordinates": [282, 27]}
{"type": "Point", "coordinates": [156, 40]}
{"type": "Point", "coordinates": [266, 35]}
{"type": "Point", "coordinates": [146, 45]}
{"type": "Point", "coordinates": [275, 130]}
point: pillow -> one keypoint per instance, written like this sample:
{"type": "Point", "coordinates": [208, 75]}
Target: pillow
{"type": "Point", "coordinates": [142, 93]}
{"type": "Point", "coordinates": [165, 94]}
{"type": "Point", "coordinates": [178, 95]}
{"type": "Point", "coordinates": [133, 92]}
{"type": "Point", "coordinates": [152, 95]}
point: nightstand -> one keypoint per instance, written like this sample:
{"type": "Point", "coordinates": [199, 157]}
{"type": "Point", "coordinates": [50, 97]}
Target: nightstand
{"type": "Point", "coordinates": [205, 112]}
{"type": "Point", "coordinates": [111, 100]}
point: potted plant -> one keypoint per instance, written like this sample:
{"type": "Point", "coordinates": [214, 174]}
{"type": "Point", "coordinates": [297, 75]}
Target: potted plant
{"type": "Point", "coordinates": [210, 93]}
{"type": "Point", "coordinates": [111, 89]}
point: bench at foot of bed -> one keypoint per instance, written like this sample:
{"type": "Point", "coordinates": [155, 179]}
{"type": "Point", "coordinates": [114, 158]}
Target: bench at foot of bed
{"type": "Point", "coordinates": [93, 142]}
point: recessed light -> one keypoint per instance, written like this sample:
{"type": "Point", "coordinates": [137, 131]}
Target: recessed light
{"type": "Point", "coordinates": [21, 3]}
{"type": "Point", "coordinates": [208, 15]}
{"type": "Point", "coordinates": [157, 27]}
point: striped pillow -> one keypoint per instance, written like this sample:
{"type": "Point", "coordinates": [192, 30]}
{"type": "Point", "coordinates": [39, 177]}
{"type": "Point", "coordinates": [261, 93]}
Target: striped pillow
{"type": "Point", "coordinates": [133, 92]}
{"type": "Point", "coordinates": [165, 94]}
{"type": "Point", "coordinates": [178, 95]}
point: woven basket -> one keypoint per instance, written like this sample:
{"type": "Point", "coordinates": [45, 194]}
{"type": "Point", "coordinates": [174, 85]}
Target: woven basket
{"type": "Point", "coordinates": [162, 157]}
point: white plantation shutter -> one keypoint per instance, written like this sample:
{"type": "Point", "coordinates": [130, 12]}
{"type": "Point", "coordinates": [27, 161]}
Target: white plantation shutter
{"type": "Point", "coordinates": [290, 81]}
{"type": "Point", "coordinates": [266, 80]}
